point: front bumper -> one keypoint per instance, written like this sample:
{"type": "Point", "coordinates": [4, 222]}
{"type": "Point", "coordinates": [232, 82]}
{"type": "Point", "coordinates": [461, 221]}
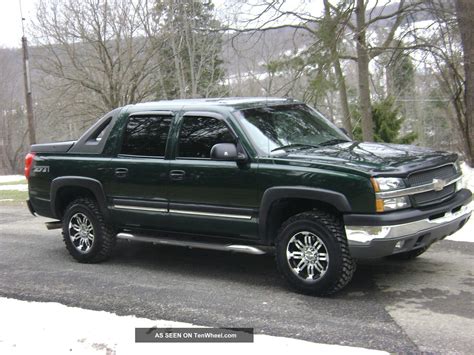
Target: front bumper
{"type": "Point", "coordinates": [374, 236]}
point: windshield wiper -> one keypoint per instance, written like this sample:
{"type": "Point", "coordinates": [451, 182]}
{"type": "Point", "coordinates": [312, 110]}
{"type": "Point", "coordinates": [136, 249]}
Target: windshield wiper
{"type": "Point", "coordinates": [294, 145]}
{"type": "Point", "coordinates": [334, 141]}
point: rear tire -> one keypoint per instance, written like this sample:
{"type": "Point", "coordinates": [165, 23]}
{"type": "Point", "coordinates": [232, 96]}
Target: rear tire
{"type": "Point", "coordinates": [312, 253]}
{"type": "Point", "coordinates": [88, 238]}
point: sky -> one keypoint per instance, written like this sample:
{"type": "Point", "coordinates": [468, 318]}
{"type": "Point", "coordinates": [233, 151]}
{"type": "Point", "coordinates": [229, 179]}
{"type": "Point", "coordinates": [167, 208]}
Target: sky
{"type": "Point", "coordinates": [10, 18]}
{"type": "Point", "coordinates": [11, 29]}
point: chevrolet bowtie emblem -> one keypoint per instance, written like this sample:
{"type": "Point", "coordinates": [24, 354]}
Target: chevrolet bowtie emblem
{"type": "Point", "coordinates": [439, 184]}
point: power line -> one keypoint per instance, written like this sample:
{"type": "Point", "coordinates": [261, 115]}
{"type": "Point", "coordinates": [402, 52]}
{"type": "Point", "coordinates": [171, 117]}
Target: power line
{"type": "Point", "coordinates": [422, 100]}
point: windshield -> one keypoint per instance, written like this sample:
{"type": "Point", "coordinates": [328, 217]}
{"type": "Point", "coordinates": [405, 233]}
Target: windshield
{"type": "Point", "coordinates": [274, 129]}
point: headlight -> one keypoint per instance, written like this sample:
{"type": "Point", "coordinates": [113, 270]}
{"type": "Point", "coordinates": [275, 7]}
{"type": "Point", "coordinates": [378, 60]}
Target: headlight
{"type": "Point", "coordinates": [382, 184]}
{"type": "Point", "coordinates": [387, 184]}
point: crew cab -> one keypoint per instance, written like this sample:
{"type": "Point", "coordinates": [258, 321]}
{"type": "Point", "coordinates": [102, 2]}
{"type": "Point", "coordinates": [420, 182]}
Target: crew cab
{"type": "Point", "coordinates": [247, 175]}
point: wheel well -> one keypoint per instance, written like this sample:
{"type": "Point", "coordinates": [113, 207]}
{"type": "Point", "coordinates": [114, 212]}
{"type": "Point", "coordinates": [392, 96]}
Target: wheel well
{"type": "Point", "coordinates": [283, 209]}
{"type": "Point", "coordinates": [67, 194]}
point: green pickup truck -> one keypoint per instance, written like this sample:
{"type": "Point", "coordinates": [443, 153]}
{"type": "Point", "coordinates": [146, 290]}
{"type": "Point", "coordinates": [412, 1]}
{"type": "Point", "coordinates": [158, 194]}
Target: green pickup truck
{"type": "Point", "coordinates": [248, 175]}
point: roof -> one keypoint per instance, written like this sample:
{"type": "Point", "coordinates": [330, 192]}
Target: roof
{"type": "Point", "coordinates": [234, 102]}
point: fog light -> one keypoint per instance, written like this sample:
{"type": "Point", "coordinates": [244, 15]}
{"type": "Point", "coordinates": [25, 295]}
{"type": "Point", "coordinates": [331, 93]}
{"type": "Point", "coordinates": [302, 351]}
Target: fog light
{"type": "Point", "coordinates": [400, 244]}
{"type": "Point", "coordinates": [390, 204]}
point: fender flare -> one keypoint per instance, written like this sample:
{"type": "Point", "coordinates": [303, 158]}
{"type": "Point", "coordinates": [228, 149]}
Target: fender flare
{"type": "Point", "coordinates": [273, 194]}
{"type": "Point", "coordinates": [93, 185]}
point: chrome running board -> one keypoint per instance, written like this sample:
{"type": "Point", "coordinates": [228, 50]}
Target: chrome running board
{"type": "Point", "coordinates": [247, 249]}
{"type": "Point", "coordinates": [54, 225]}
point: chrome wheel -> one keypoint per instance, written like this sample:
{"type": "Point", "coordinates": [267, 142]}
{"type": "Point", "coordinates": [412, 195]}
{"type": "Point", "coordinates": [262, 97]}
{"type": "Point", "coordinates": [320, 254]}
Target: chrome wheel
{"type": "Point", "coordinates": [307, 256]}
{"type": "Point", "coordinates": [81, 232]}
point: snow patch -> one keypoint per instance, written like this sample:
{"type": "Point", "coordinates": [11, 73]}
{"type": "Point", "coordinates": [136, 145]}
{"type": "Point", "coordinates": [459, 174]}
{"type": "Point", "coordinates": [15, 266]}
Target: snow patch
{"type": "Point", "coordinates": [17, 187]}
{"type": "Point", "coordinates": [468, 176]}
{"type": "Point", "coordinates": [52, 328]}
{"type": "Point", "coordinates": [465, 234]}
{"type": "Point", "coordinates": [10, 178]}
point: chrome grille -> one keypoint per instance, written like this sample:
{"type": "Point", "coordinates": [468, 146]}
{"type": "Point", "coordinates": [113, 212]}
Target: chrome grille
{"type": "Point", "coordinates": [446, 172]}
{"type": "Point", "coordinates": [425, 177]}
{"type": "Point", "coordinates": [429, 197]}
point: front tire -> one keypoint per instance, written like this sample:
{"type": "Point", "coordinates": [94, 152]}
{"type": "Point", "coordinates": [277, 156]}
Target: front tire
{"type": "Point", "coordinates": [88, 238]}
{"type": "Point", "coordinates": [312, 253]}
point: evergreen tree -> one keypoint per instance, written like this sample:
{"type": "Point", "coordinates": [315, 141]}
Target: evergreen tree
{"type": "Point", "coordinates": [401, 73]}
{"type": "Point", "coordinates": [387, 123]}
{"type": "Point", "coordinates": [190, 41]}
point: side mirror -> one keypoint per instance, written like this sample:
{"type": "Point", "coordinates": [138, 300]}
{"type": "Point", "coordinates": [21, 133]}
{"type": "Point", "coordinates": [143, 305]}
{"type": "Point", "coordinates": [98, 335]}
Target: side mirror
{"type": "Point", "coordinates": [227, 152]}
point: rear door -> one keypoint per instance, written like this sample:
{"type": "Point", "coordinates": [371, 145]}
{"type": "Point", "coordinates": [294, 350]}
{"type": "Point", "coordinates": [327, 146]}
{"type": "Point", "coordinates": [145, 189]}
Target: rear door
{"type": "Point", "coordinates": [208, 196]}
{"type": "Point", "coordinates": [137, 191]}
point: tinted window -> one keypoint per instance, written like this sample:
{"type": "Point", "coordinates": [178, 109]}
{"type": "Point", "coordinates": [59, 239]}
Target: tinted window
{"type": "Point", "coordinates": [289, 125]}
{"type": "Point", "coordinates": [199, 134]}
{"type": "Point", "coordinates": [146, 135]}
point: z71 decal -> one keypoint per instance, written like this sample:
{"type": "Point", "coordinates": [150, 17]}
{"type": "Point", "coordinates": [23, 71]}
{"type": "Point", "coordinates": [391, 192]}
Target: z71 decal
{"type": "Point", "coordinates": [41, 169]}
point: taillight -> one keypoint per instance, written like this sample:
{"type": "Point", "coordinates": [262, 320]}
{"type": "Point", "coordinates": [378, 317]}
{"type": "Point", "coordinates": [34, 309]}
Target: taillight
{"type": "Point", "coordinates": [28, 162]}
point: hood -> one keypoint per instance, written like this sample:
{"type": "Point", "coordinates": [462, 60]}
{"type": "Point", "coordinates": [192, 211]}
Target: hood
{"type": "Point", "coordinates": [374, 158]}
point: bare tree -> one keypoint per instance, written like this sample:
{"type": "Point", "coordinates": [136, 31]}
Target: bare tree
{"type": "Point", "coordinates": [341, 18]}
{"type": "Point", "coordinates": [363, 72]}
{"type": "Point", "coordinates": [336, 26]}
{"type": "Point", "coordinates": [266, 64]}
{"type": "Point", "coordinates": [97, 52]}
{"type": "Point", "coordinates": [13, 125]}
{"type": "Point", "coordinates": [441, 43]}
{"type": "Point", "coordinates": [314, 68]}
{"type": "Point", "coordinates": [367, 51]}
{"type": "Point", "coordinates": [465, 16]}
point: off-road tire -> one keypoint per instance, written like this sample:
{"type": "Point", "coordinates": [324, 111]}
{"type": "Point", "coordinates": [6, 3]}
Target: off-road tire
{"type": "Point", "coordinates": [104, 235]}
{"type": "Point", "coordinates": [330, 230]}
{"type": "Point", "coordinates": [408, 255]}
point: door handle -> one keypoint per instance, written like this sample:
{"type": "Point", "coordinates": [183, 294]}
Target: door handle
{"type": "Point", "coordinates": [177, 175]}
{"type": "Point", "coordinates": [121, 172]}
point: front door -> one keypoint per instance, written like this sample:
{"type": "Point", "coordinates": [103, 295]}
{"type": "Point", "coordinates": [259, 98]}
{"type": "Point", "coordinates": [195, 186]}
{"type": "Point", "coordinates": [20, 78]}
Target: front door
{"type": "Point", "coordinates": [205, 195]}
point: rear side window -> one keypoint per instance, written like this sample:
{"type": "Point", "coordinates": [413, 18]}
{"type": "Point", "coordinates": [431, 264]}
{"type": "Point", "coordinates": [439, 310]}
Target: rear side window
{"type": "Point", "coordinates": [99, 133]}
{"type": "Point", "coordinates": [199, 134]}
{"type": "Point", "coordinates": [146, 135]}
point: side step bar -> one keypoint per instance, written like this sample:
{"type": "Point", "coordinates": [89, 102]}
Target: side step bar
{"type": "Point", "coordinates": [54, 225]}
{"type": "Point", "coordinates": [247, 249]}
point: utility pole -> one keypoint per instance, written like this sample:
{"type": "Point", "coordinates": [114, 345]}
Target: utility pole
{"type": "Point", "coordinates": [26, 77]}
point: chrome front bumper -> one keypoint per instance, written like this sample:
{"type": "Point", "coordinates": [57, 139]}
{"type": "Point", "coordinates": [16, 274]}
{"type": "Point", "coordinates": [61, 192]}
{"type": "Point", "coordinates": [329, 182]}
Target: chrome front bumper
{"type": "Point", "coordinates": [378, 241]}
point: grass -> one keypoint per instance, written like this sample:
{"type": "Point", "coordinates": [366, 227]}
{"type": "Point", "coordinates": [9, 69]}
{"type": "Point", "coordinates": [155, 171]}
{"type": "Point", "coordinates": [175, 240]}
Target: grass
{"type": "Point", "coordinates": [15, 195]}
